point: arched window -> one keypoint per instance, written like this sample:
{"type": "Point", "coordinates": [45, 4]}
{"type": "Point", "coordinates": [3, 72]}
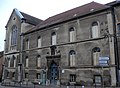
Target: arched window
{"type": "Point", "coordinates": [39, 42]}
{"type": "Point", "coordinates": [38, 61]}
{"type": "Point", "coordinates": [54, 39]}
{"type": "Point", "coordinates": [72, 34]}
{"type": "Point", "coordinates": [95, 30]}
{"type": "Point", "coordinates": [14, 35]}
{"type": "Point", "coordinates": [96, 54]}
{"type": "Point", "coordinates": [72, 58]}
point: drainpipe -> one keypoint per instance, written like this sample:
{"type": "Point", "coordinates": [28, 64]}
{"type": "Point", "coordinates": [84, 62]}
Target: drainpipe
{"type": "Point", "coordinates": [115, 45]}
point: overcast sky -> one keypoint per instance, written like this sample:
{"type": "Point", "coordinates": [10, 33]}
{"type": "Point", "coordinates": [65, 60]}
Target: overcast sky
{"type": "Point", "coordinates": [39, 8]}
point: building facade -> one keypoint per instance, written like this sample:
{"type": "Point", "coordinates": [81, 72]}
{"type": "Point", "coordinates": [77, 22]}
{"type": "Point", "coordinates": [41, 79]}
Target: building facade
{"type": "Point", "coordinates": [79, 46]}
{"type": "Point", "coordinates": [1, 64]}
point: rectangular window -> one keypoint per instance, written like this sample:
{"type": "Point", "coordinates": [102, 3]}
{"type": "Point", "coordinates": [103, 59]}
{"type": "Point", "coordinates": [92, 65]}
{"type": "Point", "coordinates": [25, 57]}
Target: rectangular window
{"type": "Point", "coordinates": [9, 62]}
{"type": "Point", "coordinates": [72, 36]}
{"type": "Point", "coordinates": [118, 25]}
{"type": "Point", "coordinates": [26, 75]}
{"type": "Point", "coordinates": [39, 42]}
{"type": "Point", "coordinates": [98, 79]}
{"type": "Point", "coordinates": [38, 76]}
{"type": "Point", "coordinates": [26, 62]}
{"type": "Point", "coordinates": [95, 32]}
{"type": "Point", "coordinates": [7, 75]}
{"type": "Point", "coordinates": [96, 57]}
{"type": "Point", "coordinates": [14, 63]}
{"type": "Point", "coordinates": [54, 38]}
{"type": "Point", "coordinates": [72, 60]}
{"type": "Point", "coordinates": [13, 74]}
{"type": "Point", "coordinates": [72, 78]}
{"type": "Point", "coordinates": [27, 44]}
{"type": "Point", "coordinates": [39, 61]}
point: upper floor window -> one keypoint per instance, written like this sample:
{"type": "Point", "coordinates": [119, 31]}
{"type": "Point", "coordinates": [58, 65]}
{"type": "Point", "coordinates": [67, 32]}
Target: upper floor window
{"type": "Point", "coordinates": [72, 58]}
{"type": "Point", "coordinates": [118, 27]}
{"type": "Point", "coordinates": [54, 39]}
{"type": "Point", "coordinates": [38, 61]}
{"type": "Point", "coordinates": [39, 42]}
{"type": "Point", "coordinates": [96, 54]}
{"type": "Point", "coordinates": [72, 34]}
{"type": "Point", "coordinates": [14, 35]}
{"type": "Point", "coordinates": [26, 61]}
{"type": "Point", "coordinates": [27, 44]}
{"type": "Point", "coordinates": [95, 30]}
{"type": "Point", "coordinates": [14, 61]}
{"type": "Point", "coordinates": [8, 62]}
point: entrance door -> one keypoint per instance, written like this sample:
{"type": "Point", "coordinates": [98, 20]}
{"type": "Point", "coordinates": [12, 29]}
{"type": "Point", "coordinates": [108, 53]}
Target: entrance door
{"type": "Point", "coordinates": [53, 74]}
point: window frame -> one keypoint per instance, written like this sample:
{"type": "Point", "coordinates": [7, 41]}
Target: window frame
{"type": "Point", "coordinates": [100, 81]}
{"type": "Point", "coordinates": [27, 43]}
{"type": "Point", "coordinates": [26, 62]}
{"type": "Point", "coordinates": [72, 57]}
{"type": "Point", "coordinates": [72, 77]}
{"type": "Point", "coordinates": [39, 42]}
{"type": "Point", "coordinates": [38, 61]}
{"type": "Point", "coordinates": [14, 35]}
{"type": "Point", "coordinates": [72, 34]}
{"type": "Point", "coordinates": [95, 55]}
{"type": "Point", "coordinates": [53, 38]}
{"type": "Point", "coordinates": [95, 27]}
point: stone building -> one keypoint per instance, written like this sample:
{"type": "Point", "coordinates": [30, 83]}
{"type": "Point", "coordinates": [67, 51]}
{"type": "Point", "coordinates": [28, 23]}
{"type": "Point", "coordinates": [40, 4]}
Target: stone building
{"type": "Point", "coordinates": [1, 64]}
{"type": "Point", "coordinates": [79, 46]}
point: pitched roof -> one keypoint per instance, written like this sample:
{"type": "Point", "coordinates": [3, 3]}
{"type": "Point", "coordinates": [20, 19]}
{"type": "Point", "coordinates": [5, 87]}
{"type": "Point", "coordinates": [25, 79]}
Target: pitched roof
{"type": "Point", "coordinates": [116, 2]}
{"type": "Point", "coordinates": [70, 14]}
{"type": "Point", "coordinates": [30, 19]}
{"type": "Point", "coordinates": [23, 16]}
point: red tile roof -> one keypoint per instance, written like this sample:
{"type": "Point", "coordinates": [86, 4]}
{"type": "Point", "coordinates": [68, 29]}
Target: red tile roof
{"type": "Point", "coordinates": [70, 14]}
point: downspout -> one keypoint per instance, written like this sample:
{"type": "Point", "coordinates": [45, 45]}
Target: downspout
{"type": "Point", "coordinates": [115, 45]}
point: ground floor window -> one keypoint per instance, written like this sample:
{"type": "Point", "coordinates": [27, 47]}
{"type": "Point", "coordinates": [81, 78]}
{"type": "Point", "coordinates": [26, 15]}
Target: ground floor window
{"type": "Point", "coordinates": [72, 78]}
{"type": "Point", "coordinates": [98, 79]}
{"type": "Point", "coordinates": [26, 75]}
{"type": "Point", "coordinates": [13, 74]}
{"type": "Point", "coordinates": [38, 75]}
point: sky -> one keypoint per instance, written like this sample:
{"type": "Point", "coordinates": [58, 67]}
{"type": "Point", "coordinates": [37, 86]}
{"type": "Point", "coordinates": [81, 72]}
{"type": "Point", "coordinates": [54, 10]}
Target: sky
{"type": "Point", "coordinates": [41, 9]}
